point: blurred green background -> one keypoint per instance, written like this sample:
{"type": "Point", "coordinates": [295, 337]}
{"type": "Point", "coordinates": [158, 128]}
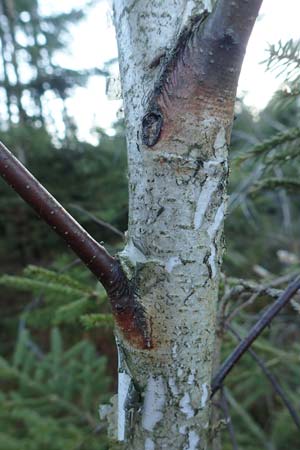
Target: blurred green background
{"type": "Point", "coordinates": [57, 353]}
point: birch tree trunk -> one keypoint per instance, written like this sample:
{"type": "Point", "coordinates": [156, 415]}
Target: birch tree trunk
{"type": "Point", "coordinates": [179, 69]}
{"type": "Point", "coordinates": [179, 72]}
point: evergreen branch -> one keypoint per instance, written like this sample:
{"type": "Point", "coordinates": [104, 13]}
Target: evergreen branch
{"type": "Point", "coordinates": [287, 54]}
{"type": "Point", "coordinates": [97, 320]}
{"type": "Point", "coordinates": [42, 274]}
{"type": "Point", "coordinates": [253, 428]}
{"type": "Point", "coordinates": [288, 184]}
{"type": "Point", "coordinates": [30, 285]}
{"type": "Point", "coordinates": [296, 306]}
{"type": "Point", "coordinates": [255, 331]}
{"type": "Point", "coordinates": [71, 312]}
{"type": "Point", "coordinates": [225, 408]}
{"type": "Point", "coordinates": [11, 373]}
{"type": "Point", "coordinates": [269, 144]}
{"type": "Point", "coordinates": [94, 255]}
{"type": "Point", "coordinates": [287, 94]}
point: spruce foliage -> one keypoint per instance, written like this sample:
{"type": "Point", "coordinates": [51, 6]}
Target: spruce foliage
{"type": "Point", "coordinates": [52, 377]}
{"type": "Point", "coordinates": [263, 255]}
{"type": "Point", "coordinates": [50, 400]}
{"type": "Point", "coordinates": [60, 298]}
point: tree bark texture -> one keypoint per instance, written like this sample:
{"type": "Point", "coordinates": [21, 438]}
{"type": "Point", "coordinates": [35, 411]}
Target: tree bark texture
{"type": "Point", "coordinates": [179, 73]}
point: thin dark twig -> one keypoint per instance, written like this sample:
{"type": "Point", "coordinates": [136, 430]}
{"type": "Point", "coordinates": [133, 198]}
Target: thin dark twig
{"type": "Point", "coordinates": [263, 291]}
{"type": "Point", "coordinates": [98, 221]}
{"type": "Point", "coordinates": [70, 265]}
{"type": "Point", "coordinates": [94, 255]}
{"type": "Point", "coordinates": [274, 382]}
{"type": "Point", "coordinates": [233, 293]}
{"type": "Point", "coordinates": [225, 407]}
{"type": "Point", "coordinates": [255, 331]}
{"type": "Point", "coordinates": [241, 286]}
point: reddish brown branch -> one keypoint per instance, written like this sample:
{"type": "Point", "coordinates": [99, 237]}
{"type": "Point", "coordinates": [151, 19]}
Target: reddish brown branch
{"type": "Point", "coordinates": [128, 314]}
{"type": "Point", "coordinates": [89, 251]}
{"type": "Point", "coordinates": [225, 37]}
{"type": "Point", "coordinates": [201, 73]}
{"type": "Point", "coordinates": [255, 331]}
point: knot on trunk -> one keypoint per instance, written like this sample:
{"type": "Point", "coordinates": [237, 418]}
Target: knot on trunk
{"type": "Point", "coordinates": [151, 127]}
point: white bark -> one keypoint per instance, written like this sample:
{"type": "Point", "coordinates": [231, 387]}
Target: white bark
{"type": "Point", "coordinates": [177, 207]}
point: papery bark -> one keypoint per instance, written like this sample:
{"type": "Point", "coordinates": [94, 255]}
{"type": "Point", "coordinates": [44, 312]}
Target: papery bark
{"type": "Point", "coordinates": [179, 74]}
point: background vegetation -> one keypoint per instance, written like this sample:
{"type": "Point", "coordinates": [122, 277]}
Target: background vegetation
{"type": "Point", "coordinates": [57, 352]}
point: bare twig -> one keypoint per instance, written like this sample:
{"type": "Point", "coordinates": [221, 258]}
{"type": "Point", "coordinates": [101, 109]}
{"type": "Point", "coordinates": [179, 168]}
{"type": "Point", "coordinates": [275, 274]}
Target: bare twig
{"type": "Point", "coordinates": [228, 296]}
{"type": "Point", "coordinates": [273, 293]}
{"type": "Point", "coordinates": [255, 331]}
{"type": "Point", "coordinates": [282, 279]}
{"type": "Point", "coordinates": [98, 221]}
{"type": "Point", "coordinates": [224, 406]}
{"type": "Point", "coordinates": [243, 287]}
{"type": "Point", "coordinates": [275, 384]}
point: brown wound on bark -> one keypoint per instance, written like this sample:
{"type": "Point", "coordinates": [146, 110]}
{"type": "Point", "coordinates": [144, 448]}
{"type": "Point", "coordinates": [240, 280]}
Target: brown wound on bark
{"type": "Point", "coordinates": [200, 74]}
{"type": "Point", "coordinates": [129, 314]}
{"type": "Point", "coordinates": [134, 327]}
{"type": "Point", "coordinates": [165, 88]}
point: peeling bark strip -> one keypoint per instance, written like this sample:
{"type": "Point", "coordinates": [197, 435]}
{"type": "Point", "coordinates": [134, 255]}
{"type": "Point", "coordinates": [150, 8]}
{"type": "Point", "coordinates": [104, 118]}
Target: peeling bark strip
{"type": "Point", "coordinates": [128, 313]}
